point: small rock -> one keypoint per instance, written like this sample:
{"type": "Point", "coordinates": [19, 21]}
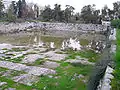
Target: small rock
{"type": "Point", "coordinates": [85, 81]}
{"type": "Point", "coordinates": [109, 69]}
{"type": "Point", "coordinates": [80, 76]}
{"type": "Point", "coordinates": [45, 87]}
{"type": "Point", "coordinates": [72, 79]}
{"type": "Point", "coordinates": [3, 83]}
{"type": "Point", "coordinates": [50, 76]}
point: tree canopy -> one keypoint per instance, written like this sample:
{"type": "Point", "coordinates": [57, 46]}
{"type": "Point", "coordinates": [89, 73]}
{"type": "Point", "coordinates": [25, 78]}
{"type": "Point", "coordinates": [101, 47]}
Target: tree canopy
{"type": "Point", "coordinates": [88, 14]}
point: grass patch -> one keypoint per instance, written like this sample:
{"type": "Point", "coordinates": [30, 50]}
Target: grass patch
{"type": "Point", "coordinates": [92, 60]}
{"type": "Point", "coordinates": [36, 63]}
{"type": "Point", "coordinates": [19, 49]}
{"type": "Point", "coordinates": [2, 70]}
{"type": "Point", "coordinates": [4, 49]}
{"type": "Point", "coordinates": [116, 80]}
{"type": "Point", "coordinates": [65, 78]}
{"type": "Point", "coordinates": [84, 54]}
{"type": "Point", "coordinates": [12, 84]}
{"type": "Point", "coordinates": [11, 73]}
{"type": "Point", "coordinates": [16, 73]}
{"type": "Point", "coordinates": [15, 60]}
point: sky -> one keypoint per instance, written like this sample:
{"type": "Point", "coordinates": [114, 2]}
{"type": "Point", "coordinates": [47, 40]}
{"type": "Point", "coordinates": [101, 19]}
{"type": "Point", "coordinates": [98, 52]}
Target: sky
{"type": "Point", "coordinates": [77, 4]}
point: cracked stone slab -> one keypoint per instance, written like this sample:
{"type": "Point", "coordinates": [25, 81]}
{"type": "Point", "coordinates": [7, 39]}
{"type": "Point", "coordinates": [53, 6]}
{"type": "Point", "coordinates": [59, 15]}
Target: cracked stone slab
{"type": "Point", "coordinates": [32, 58]}
{"type": "Point", "coordinates": [26, 79]}
{"type": "Point", "coordinates": [51, 55]}
{"type": "Point", "coordinates": [50, 64]}
{"type": "Point", "coordinates": [19, 54]}
{"type": "Point", "coordinates": [38, 71]}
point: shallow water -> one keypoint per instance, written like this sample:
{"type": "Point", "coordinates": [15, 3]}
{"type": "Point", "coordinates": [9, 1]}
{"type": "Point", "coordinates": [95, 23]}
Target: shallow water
{"type": "Point", "coordinates": [28, 39]}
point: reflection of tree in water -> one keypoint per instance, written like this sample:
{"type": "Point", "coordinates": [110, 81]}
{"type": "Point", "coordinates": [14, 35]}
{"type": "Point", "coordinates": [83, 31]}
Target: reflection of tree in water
{"type": "Point", "coordinates": [44, 30]}
{"type": "Point", "coordinates": [35, 39]}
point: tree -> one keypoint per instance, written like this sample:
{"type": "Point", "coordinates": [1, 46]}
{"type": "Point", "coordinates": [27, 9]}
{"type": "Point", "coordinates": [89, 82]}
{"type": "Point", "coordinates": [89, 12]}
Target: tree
{"type": "Point", "coordinates": [69, 12]}
{"type": "Point", "coordinates": [105, 15]}
{"type": "Point", "coordinates": [57, 13]}
{"type": "Point", "coordinates": [19, 6]}
{"type": "Point", "coordinates": [12, 12]}
{"type": "Point", "coordinates": [1, 8]}
{"type": "Point", "coordinates": [13, 7]}
{"type": "Point", "coordinates": [30, 12]}
{"type": "Point", "coordinates": [111, 14]}
{"type": "Point", "coordinates": [116, 9]}
{"type": "Point", "coordinates": [24, 11]}
{"type": "Point", "coordinates": [89, 14]}
{"type": "Point", "coordinates": [36, 10]}
{"type": "Point", "coordinates": [47, 13]}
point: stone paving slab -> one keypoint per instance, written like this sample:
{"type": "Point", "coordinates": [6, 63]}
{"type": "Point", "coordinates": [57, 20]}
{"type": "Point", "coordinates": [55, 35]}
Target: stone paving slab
{"type": "Point", "coordinates": [19, 54]}
{"type": "Point", "coordinates": [51, 55]}
{"type": "Point", "coordinates": [26, 79]}
{"type": "Point", "coordinates": [32, 58]}
{"type": "Point", "coordinates": [41, 49]}
{"type": "Point", "coordinates": [38, 71]}
{"type": "Point", "coordinates": [50, 64]}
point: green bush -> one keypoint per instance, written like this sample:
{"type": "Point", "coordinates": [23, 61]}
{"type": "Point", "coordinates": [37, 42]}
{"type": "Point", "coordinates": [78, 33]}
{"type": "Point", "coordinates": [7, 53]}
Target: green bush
{"type": "Point", "coordinates": [115, 23]}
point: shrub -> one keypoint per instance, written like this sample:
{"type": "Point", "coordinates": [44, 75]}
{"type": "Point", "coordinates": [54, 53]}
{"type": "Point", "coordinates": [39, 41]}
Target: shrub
{"type": "Point", "coordinates": [115, 23]}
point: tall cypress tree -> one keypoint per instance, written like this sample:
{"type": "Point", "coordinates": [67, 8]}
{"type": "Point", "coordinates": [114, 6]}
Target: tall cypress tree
{"type": "Point", "coordinates": [1, 8]}
{"type": "Point", "coordinates": [19, 5]}
{"type": "Point", "coordinates": [24, 10]}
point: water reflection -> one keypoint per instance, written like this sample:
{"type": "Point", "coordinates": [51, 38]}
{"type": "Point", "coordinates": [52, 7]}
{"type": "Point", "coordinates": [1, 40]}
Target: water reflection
{"type": "Point", "coordinates": [72, 43]}
{"type": "Point", "coordinates": [39, 40]}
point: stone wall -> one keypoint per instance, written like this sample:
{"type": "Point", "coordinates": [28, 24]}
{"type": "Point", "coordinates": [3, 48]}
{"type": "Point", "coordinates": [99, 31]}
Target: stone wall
{"type": "Point", "coordinates": [27, 26]}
